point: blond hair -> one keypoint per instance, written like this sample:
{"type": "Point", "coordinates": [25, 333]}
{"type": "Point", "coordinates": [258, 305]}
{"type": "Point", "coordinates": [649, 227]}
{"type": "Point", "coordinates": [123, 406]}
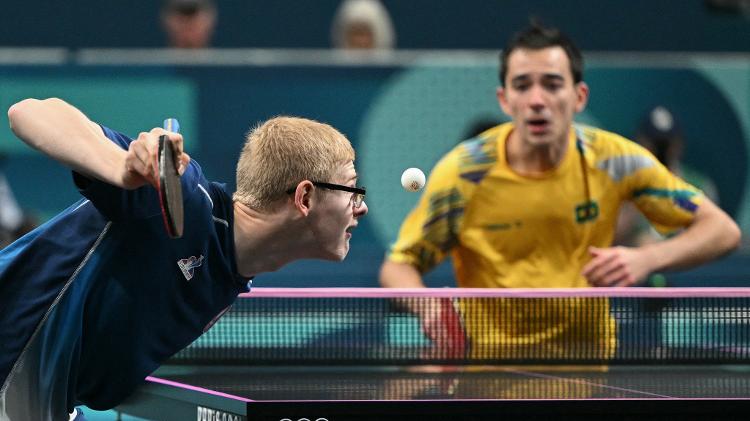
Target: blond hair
{"type": "Point", "coordinates": [284, 151]}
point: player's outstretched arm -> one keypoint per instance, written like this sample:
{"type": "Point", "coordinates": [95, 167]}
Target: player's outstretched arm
{"type": "Point", "coordinates": [400, 275]}
{"type": "Point", "coordinates": [65, 134]}
{"type": "Point", "coordinates": [711, 234]}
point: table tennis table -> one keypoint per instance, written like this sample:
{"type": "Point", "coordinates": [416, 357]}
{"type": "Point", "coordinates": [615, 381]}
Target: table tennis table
{"type": "Point", "coordinates": [467, 392]}
{"type": "Point", "coordinates": [331, 355]}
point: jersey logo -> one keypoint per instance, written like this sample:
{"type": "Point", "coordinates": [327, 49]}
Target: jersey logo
{"type": "Point", "coordinates": [187, 266]}
{"type": "Point", "coordinates": [587, 211]}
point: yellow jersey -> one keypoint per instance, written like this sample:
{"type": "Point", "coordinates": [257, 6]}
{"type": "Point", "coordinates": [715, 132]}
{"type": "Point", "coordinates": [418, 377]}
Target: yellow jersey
{"type": "Point", "coordinates": [506, 230]}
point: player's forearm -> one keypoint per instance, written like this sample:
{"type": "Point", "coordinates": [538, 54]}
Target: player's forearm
{"type": "Point", "coordinates": [65, 134]}
{"type": "Point", "coordinates": [712, 234]}
{"type": "Point", "coordinates": [400, 275]}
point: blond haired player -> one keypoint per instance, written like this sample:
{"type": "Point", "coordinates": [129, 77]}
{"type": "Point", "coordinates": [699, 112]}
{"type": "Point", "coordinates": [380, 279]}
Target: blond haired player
{"type": "Point", "coordinates": [94, 300]}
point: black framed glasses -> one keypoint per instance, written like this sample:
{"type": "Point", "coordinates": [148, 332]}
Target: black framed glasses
{"type": "Point", "coordinates": [358, 193]}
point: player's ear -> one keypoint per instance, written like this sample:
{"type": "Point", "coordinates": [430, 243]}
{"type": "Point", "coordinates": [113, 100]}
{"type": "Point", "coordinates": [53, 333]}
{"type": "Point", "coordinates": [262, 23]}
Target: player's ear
{"type": "Point", "coordinates": [582, 96]}
{"type": "Point", "coordinates": [502, 100]}
{"type": "Point", "coordinates": [302, 197]}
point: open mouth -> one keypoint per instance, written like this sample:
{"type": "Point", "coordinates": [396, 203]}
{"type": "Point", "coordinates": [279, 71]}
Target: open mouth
{"type": "Point", "coordinates": [537, 125]}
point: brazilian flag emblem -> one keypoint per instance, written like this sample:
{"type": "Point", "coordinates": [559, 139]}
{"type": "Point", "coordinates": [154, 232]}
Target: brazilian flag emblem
{"type": "Point", "coordinates": [587, 211]}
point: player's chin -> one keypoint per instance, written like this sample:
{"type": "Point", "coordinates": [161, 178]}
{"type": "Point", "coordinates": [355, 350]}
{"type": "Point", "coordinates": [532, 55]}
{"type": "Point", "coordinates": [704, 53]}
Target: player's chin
{"type": "Point", "coordinates": [342, 252]}
{"type": "Point", "coordinates": [337, 253]}
{"type": "Point", "coordinates": [336, 257]}
{"type": "Point", "coordinates": [540, 138]}
{"type": "Point", "coordinates": [343, 249]}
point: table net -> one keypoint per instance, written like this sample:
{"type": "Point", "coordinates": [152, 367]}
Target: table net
{"type": "Point", "coordinates": [475, 327]}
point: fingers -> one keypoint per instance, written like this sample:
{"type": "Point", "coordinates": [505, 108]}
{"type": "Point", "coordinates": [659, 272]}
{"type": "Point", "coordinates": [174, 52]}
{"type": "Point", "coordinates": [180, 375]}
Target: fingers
{"type": "Point", "coordinates": [442, 325]}
{"type": "Point", "coordinates": [612, 267]}
{"type": "Point", "coordinates": [184, 162]}
{"type": "Point", "coordinates": [618, 277]}
{"type": "Point", "coordinates": [180, 156]}
{"type": "Point", "coordinates": [141, 163]}
{"type": "Point", "coordinates": [601, 264]}
{"type": "Point", "coordinates": [429, 315]}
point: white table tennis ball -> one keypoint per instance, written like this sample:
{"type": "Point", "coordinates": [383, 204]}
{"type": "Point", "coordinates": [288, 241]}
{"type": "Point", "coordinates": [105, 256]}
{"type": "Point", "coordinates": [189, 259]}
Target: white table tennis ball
{"type": "Point", "coordinates": [413, 179]}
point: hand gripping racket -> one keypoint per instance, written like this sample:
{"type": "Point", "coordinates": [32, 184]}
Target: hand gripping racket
{"type": "Point", "coordinates": [169, 186]}
{"type": "Point", "coordinates": [444, 327]}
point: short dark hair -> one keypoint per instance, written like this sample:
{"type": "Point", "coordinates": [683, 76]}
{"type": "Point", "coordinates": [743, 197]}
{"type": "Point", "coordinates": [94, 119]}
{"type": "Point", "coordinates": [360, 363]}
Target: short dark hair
{"type": "Point", "coordinates": [186, 7]}
{"type": "Point", "coordinates": [537, 37]}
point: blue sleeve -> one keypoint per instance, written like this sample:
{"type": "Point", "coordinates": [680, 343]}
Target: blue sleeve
{"type": "Point", "coordinates": [119, 204]}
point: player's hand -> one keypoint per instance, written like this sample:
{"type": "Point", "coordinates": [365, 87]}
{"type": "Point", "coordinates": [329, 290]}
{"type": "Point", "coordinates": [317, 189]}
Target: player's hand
{"type": "Point", "coordinates": [442, 324]}
{"type": "Point", "coordinates": [616, 266]}
{"type": "Point", "coordinates": [141, 162]}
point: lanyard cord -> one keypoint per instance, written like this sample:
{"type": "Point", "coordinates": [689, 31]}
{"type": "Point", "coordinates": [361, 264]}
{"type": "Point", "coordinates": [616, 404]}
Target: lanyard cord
{"type": "Point", "coordinates": [585, 172]}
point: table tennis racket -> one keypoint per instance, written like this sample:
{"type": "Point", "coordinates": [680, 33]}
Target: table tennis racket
{"type": "Point", "coordinates": [169, 186]}
{"type": "Point", "coordinates": [454, 333]}
{"type": "Point", "coordinates": [444, 327]}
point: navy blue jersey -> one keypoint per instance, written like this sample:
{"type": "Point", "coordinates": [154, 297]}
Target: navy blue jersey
{"type": "Point", "coordinates": [95, 299]}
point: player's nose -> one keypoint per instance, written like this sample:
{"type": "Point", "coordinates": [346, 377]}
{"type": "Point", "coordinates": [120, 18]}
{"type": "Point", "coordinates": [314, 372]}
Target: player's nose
{"type": "Point", "coordinates": [361, 210]}
{"type": "Point", "coordinates": [536, 97]}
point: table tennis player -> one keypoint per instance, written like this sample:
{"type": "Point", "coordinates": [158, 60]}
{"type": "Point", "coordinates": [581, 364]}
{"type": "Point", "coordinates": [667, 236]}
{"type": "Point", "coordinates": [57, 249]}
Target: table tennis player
{"type": "Point", "coordinates": [96, 298]}
{"type": "Point", "coordinates": [533, 204]}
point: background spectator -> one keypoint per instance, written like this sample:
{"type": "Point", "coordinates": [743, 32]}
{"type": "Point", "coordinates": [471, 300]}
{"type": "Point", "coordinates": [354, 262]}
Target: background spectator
{"type": "Point", "coordinates": [189, 23]}
{"type": "Point", "coordinates": [362, 24]}
{"type": "Point", "coordinates": [661, 133]}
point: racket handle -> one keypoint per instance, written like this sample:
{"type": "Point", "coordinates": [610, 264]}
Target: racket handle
{"type": "Point", "coordinates": [172, 125]}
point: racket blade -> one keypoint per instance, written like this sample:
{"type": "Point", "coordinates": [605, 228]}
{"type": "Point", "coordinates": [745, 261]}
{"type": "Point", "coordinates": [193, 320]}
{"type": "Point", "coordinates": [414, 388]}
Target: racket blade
{"type": "Point", "coordinates": [170, 189]}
